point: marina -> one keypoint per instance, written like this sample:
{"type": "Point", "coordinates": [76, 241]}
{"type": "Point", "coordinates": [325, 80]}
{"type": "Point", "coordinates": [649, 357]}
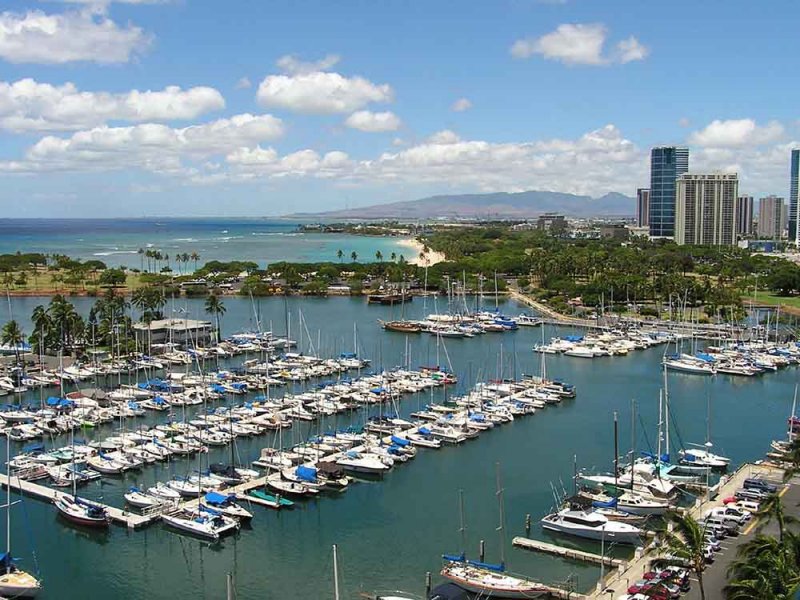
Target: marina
{"type": "Point", "coordinates": [602, 385]}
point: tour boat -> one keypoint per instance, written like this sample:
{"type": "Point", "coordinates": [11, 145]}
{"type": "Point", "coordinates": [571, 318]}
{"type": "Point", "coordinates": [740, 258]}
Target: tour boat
{"type": "Point", "coordinates": [591, 525]}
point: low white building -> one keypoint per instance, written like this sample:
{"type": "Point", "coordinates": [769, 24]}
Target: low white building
{"type": "Point", "coordinates": [183, 332]}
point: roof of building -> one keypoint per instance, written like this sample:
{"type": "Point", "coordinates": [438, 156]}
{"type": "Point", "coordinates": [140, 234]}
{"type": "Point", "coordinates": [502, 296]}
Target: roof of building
{"type": "Point", "coordinates": [174, 324]}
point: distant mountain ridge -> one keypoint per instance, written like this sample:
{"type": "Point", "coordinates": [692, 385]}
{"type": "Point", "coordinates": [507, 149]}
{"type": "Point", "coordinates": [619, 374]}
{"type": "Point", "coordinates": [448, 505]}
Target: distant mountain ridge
{"type": "Point", "coordinates": [501, 205]}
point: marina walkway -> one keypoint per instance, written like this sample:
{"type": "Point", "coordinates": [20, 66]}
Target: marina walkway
{"type": "Point", "coordinates": [616, 583]}
{"type": "Point", "coordinates": [42, 492]}
{"type": "Point", "coordinates": [563, 552]}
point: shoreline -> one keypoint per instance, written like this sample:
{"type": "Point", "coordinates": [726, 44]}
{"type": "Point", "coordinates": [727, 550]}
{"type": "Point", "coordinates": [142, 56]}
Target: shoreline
{"type": "Point", "coordinates": [429, 259]}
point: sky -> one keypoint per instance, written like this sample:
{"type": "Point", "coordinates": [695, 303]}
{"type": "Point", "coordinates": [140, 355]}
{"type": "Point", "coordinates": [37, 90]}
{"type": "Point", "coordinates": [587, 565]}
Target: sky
{"type": "Point", "coordinates": [268, 107]}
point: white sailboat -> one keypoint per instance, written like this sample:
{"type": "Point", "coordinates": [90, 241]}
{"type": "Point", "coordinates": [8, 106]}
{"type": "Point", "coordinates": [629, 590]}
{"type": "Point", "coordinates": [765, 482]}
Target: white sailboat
{"type": "Point", "coordinates": [488, 579]}
{"type": "Point", "coordinates": [14, 582]}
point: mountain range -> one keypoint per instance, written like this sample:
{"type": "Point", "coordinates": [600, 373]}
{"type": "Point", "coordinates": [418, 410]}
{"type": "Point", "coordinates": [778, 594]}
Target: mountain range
{"type": "Point", "coordinates": [502, 205]}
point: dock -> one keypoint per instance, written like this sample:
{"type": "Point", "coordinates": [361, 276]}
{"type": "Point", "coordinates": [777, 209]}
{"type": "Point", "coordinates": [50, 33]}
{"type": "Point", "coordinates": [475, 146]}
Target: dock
{"type": "Point", "coordinates": [617, 582]}
{"type": "Point", "coordinates": [42, 492]}
{"type": "Point", "coordinates": [569, 553]}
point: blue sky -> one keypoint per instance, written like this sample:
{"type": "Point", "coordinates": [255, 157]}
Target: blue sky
{"type": "Point", "coordinates": [266, 108]}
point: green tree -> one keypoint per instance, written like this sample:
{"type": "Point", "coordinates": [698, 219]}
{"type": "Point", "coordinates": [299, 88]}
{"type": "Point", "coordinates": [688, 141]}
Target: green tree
{"type": "Point", "coordinates": [354, 256]}
{"type": "Point", "coordinates": [687, 542]}
{"type": "Point", "coordinates": [340, 254]}
{"type": "Point", "coordinates": [12, 336]}
{"type": "Point", "coordinates": [195, 257]}
{"type": "Point", "coordinates": [215, 307]}
{"type": "Point", "coordinates": [379, 256]}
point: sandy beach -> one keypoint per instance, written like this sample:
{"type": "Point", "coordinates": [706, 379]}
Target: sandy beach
{"type": "Point", "coordinates": [431, 258]}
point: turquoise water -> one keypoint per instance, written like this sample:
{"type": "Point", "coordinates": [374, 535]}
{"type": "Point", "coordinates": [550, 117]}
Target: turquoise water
{"type": "Point", "coordinates": [117, 241]}
{"type": "Point", "coordinates": [391, 532]}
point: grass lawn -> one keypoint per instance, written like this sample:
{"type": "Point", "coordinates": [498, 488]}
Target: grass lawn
{"type": "Point", "coordinates": [48, 282]}
{"type": "Point", "coordinates": [773, 299]}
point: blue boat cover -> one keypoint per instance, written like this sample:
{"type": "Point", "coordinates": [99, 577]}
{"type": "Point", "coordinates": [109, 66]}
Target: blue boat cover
{"type": "Point", "coordinates": [664, 457]}
{"type": "Point", "coordinates": [704, 357]}
{"type": "Point", "coordinates": [159, 400]}
{"type": "Point", "coordinates": [424, 431]}
{"type": "Point", "coordinates": [400, 441]}
{"type": "Point", "coordinates": [499, 567]}
{"type": "Point", "coordinates": [348, 355]}
{"type": "Point", "coordinates": [610, 504]}
{"type": "Point", "coordinates": [306, 473]}
{"type": "Point", "coordinates": [216, 498]}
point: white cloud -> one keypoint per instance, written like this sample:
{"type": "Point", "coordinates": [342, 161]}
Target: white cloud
{"type": "Point", "coordinates": [461, 105]}
{"type": "Point", "coordinates": [373, 122]}
{"type": "Point", "coordinates": [631, 49]}
{"type": "Point", "coordinates": [36, 37]}
{"type": "Point", "coordinates": [320, 92]}
{"type": "Point", "coordinates": [736, 132]}
{"type": "Point", "coordinates": [149, 146]}
{"type": "Point", "coordinates": [243, 84]}
{"type": "Point", "coordinates": [27, 105]}
{"type": "Point", "coordinates": [294, 66]}
{"type": "Point", "coordinates": [446, 136]}
{"type": "Point", "coordinates": [579, 44]}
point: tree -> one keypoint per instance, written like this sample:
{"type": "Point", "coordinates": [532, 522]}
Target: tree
{"type": "Point", "coordinates": [112, 277]}
{"type": "Point", "coordinates": [195, 257]}
{"type": "Point", "coordinates": [340, 254]}
{"type": "Point", "coordinates": [215, 307]}
{"type": "Point", "coordinates": [393, 256]}
{"type": "Point", "coordinates": [687, 541]}
{"type": "Point", "coordinates": [140, 252]}
{"type": "Point", "coordinates": [12, 336]}
{"type": "Point", "coordinates": [765, 568]}
{"type": "Point", "coordinates": [354, 256]}
{"type": "Point", "coordinates": [379, 256]}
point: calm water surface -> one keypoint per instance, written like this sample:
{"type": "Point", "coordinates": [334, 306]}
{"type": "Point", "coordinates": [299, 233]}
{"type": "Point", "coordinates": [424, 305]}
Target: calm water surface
{"type": "Point", "coordinates": [391, 532]}
{"type": "Point", "coordinates": [117, 241]}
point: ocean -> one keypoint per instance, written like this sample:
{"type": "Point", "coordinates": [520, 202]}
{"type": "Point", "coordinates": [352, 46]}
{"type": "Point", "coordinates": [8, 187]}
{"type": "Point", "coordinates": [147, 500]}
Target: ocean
{"type": "Point", "coordinates": [117, 241]}
{"type": "Point", "coordinates": [391, 532]}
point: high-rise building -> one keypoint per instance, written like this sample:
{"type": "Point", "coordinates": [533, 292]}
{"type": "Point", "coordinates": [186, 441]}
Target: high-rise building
{"type": "Point", "coordinates": [771, 217]}
{"type": "Point", "coordinates": [794, 196]}
{"type": "Point", "coordinates": [667, 163]}
{"type": "Point", "coordinates": [705, 209]}
{"type": "Point", "coordinates": [642, 207]}
{"type": "Point", "coordinates": [744, 215]}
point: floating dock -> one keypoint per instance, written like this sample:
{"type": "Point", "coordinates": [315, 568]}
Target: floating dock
{"type": "Point", "coordinates": [119, 516]}
{"type": "Point", "coordinates": [561, 551]}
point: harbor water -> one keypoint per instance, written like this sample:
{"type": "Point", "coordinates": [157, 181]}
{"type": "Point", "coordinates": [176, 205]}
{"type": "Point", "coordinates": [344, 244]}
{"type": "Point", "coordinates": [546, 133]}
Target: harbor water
{"type": "Point", "coordinates": [390, 532]}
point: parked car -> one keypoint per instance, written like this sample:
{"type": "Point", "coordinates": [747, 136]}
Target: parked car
{"type": "Point", "coordinates": [755, 483]}
{"type": "Point", "coordinates": [752, 494]}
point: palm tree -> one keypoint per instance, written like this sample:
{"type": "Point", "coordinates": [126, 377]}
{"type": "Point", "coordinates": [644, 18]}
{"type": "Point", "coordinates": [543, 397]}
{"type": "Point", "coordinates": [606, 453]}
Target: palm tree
{"type": "Point", "coordinates": [772, 508]}
{"type": "Point", "coordinates": [687, 541]}
{"type": "Point", "coordinates": [214, 306]}
{"type": "Point", "coordinates": [340, 254]}
{"type": "Point", "coordinates": [195, 257]}
{"type": "Point", "coordinates": [43, 328]}
{"type": "Point", "coordinates": [354, 256]}
{"type": "Point", "coordinates": [178, 261]}
{"type": "Point", "coordinates": [140, 252]}
{"type": "Point", "coordinates": [394, 256]}
{"type": "Point", "coordinates": [12, 336]}
{"type": "Point", "coordinates": [379, 256]}
{"type": "Point", "coordinates": [765, 568]}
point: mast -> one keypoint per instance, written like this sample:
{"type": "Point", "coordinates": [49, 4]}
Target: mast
{"type": "Point", "coordinates": [463, 528]}
{"type": "Point", "coordinates": [616, 453]}
{"type": "Point", "coordinates": [660, 419]}
{"type": "Point", "coordinates": [8, 507]}
{"type": "Point", "coordinates": [791, 418]}
{"type": "Point", "coordinates": [501, 528]}
{"type": "Point", "coordinates": [633, 435]}
{"type": "Point", "coordinates": [335, 575]}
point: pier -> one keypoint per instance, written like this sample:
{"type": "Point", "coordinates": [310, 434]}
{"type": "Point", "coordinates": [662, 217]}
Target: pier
{"type": "Point", "coordinates": [617, 582]}
{"type": "Point", "coordinates": [568, 553]}
{"type": "Point", "coordinates": [42, 492]}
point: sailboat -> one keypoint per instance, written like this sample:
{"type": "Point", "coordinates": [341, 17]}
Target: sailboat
{"type": "Point", "coordinates": [486, 578]}
{"type": "Point", "coordinates": [700, 454]}
{"type": "Point", "coordinates": [14, 583]}
{"type": "Point", "coordinates": [78, 510]}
